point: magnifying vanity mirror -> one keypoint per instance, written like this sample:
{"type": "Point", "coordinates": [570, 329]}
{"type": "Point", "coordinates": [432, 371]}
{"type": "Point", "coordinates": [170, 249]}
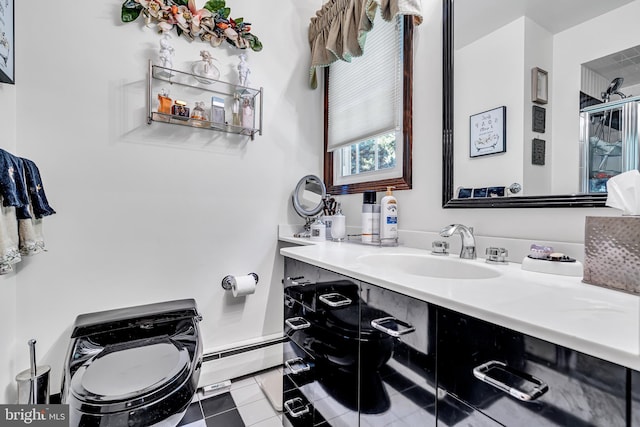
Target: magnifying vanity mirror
{"type": "Point", "coordinates": [563, 76]}
{"type": "Point", "coordinates": [308, 197]}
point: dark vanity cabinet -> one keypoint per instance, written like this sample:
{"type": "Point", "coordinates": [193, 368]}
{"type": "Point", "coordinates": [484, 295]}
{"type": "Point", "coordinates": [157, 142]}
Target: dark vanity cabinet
{"type": "Point", "coordinates": [398, 359]}
{"type": "Point", "coordinates": [356, 354]}
{"type": "Point", "coordinates": [519, 380]}
{"type": "Point", "coordinates": [360, 355]}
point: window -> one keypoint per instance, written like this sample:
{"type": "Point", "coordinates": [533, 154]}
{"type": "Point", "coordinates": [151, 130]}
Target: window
{"type": "Point", "coordinates": [368, 113]}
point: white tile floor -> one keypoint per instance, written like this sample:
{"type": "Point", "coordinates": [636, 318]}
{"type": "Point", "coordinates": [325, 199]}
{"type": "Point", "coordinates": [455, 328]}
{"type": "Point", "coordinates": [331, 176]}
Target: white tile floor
{"type": "Point", "coordinates": [254, 407]}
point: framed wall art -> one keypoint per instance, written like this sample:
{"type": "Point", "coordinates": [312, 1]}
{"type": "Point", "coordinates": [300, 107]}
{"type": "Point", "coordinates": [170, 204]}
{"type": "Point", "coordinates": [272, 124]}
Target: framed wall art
{"type": "Point", "coordinates": [539, 85]}
{"type": "Point", "coordinates": [488, 131]}
{"type": "Point", "coordinates": [538, 119]}
{"type": "Point", "coordinates": [7, 45]}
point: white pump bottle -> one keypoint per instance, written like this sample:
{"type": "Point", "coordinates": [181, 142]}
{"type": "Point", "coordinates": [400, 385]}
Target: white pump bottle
{"type": "Point", "coordinates": [388, 217]}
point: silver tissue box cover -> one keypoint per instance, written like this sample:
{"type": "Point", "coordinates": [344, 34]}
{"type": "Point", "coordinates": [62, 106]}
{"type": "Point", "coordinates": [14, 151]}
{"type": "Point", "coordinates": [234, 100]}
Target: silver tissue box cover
{"type": "Point", "coordinates": [612, 252]}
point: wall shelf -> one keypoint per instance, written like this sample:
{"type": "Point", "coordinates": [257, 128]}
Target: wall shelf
{"type": "Point", "coordinates": [192, 86]}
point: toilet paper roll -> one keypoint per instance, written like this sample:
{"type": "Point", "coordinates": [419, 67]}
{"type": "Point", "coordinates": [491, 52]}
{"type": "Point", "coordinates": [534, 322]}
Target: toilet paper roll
{"type": "Point", "coordinates": [243, 285]}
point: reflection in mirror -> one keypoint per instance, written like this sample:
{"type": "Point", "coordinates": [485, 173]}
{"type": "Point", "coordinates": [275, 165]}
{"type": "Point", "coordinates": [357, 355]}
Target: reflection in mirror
{"type": "Point", "coordinates": [609, 118]}
{"type": "Point", "coordinates": [495, 45]}
{"type": "Point", "coordinates": [308, 197]}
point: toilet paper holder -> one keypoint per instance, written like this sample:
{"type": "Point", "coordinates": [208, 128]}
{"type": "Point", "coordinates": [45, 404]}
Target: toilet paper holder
{"type": "Point", "coordinates": [226, 281]}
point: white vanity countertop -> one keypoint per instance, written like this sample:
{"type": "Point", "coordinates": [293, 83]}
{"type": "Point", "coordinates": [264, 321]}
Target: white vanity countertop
{"type": "Point", "coordinates": [598, 321]}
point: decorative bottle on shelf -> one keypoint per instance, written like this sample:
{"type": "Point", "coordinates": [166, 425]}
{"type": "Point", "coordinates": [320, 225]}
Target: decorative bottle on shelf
{"type": "Point", "coordinates": [198, 115]}
{"type": "Point", "coordinates": [164, 102]}
{"type": "Point", "coordinates": [180, 110]}
{"type": "Point", "coordinates": [247, 113]}
{"type": "Point", "coordinates": [235, 110]}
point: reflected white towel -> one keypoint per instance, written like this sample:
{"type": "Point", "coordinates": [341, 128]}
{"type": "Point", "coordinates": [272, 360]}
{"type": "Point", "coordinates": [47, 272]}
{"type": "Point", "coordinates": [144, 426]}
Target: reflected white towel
{"type": "Point", "coordinates": [9, 240]}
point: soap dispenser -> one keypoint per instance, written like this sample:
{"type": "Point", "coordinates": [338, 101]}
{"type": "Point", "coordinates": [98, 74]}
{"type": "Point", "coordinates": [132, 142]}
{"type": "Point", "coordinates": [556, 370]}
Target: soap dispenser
{"type": "Point", "coordinates": [388, 217]}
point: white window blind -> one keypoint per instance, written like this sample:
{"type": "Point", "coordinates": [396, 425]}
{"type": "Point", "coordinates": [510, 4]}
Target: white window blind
{"type": "Point", "coordinates": [365, 95]}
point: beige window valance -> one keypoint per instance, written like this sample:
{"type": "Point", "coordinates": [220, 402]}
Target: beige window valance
{"type": "Point", "coordinates": [340, 27]}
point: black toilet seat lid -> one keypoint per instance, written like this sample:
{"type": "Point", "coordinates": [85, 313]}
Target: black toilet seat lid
{"type": "Point", "coordinates": [125, 371]}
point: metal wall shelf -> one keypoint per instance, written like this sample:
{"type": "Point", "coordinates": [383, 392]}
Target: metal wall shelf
{"type": "Point", "coordinates": [206, 85]}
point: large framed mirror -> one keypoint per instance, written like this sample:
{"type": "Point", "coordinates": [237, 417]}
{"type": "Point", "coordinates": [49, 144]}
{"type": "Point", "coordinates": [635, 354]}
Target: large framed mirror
{"type": "Point", "coordinates": [546, 62]}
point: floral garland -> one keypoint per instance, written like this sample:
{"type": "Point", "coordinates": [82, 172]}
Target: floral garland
{"type": "Point", "coordinates": [211, 23]}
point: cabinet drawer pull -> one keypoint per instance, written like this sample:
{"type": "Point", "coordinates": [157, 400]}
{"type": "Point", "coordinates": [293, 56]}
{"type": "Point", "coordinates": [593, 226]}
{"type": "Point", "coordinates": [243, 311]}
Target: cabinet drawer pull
{"type": "Point", "coordinates": [392, 326]}
{"type": "Point", "coordinates": [296, 407]}
{"type": "Point", "coordinates": [518, 384]}
{"type": "Point", "coordinates": [297, 365]}
{"type": "Point", "coordinates": [334, 300]}
{"type": "Point", "coordinates": [297, 323]}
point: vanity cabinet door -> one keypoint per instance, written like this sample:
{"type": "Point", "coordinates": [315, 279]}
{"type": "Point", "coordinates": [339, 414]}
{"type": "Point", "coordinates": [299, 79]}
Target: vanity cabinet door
{"type": "Point", "coordinates": [519, 380]}
{"type": "Point", "coordinates": [397, 366]}
{"type": "Point", "coordinates": [321, 310]}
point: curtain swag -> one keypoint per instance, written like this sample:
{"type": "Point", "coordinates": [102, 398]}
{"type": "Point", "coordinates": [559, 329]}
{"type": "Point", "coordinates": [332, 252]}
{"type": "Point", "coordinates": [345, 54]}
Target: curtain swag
{"type": "Point", "coordinates": [340, 27]}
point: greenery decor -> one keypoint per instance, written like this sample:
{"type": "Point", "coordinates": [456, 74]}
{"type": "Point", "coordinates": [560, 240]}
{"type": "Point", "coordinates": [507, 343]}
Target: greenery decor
{"type": "Point", "coordinates": [211, 23]}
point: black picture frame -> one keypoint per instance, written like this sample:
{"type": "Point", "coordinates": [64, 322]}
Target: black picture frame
{"type": "Point", "coordinates": [538, 152]}
{"type": "Point", "coordinates": [7, 42]}
{"type": "Point", "coordinates": [538, 119]}
{"type": "Point", "coordinates": [587, 200]}
{"type": "Point", "coordinates": [488, 132]}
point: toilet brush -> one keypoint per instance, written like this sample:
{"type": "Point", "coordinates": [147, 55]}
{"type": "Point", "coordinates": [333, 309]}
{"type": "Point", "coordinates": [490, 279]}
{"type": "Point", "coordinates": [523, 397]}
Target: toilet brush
{"type": "Point", "coordinates": [33, 386]}
{"type": "Point", "coordinates": [33, 383]}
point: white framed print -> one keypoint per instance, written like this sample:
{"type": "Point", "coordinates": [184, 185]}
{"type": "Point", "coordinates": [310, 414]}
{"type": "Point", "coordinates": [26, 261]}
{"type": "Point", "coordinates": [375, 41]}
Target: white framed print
{"type": "Point", "coordinates": [488, 132]}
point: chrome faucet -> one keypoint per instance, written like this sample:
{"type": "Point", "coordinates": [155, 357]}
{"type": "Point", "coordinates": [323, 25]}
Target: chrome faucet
{"type": "Point", "coordinates": [468, 250]}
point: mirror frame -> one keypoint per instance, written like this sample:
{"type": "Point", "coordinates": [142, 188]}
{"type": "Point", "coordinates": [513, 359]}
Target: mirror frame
{"type": "Point", "coordinates": [295, 197]}
{"type": "Point", "coordinates": [448, 201]}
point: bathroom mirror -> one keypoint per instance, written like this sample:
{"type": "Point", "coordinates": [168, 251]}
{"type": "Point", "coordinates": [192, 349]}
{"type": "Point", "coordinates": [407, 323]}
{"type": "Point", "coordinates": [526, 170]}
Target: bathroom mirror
{"type": "Point", "coordinates": [307, 196]}
{"type": "Point", "coordinates": [496, 45]}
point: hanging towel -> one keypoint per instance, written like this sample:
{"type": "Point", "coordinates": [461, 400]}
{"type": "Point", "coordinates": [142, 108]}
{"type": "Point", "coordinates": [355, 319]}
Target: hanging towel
{"type": "Point", "coordinates": [9, 251]}
{"type": "Point", "coordinates": [13, 188]}
{"type": "Point", "coordinates": [39, 203]}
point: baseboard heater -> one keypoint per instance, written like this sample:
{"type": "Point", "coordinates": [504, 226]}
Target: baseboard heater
{"type": "Point", "coordinates": [207, 357]}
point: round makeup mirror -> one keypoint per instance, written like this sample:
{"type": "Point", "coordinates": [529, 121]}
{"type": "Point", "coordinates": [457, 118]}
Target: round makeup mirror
{"type": "Point", "coordinates": [308, 196]}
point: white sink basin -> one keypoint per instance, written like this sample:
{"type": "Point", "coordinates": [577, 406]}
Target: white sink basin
{"type": "Point", "coordinates": [430, 266]}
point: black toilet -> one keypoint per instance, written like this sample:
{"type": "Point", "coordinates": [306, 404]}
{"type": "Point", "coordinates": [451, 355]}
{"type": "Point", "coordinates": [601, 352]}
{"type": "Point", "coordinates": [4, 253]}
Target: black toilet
{"type": "Point", "coordinates": [135, 366]}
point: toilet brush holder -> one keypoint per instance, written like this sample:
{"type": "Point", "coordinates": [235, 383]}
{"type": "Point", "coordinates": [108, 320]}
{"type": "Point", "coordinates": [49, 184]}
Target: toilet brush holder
{"type": "Point", "coordinates": [33, 383]}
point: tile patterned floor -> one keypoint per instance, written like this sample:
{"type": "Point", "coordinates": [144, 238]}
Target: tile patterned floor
{"type": "Point", "coordinates": [243, 405]}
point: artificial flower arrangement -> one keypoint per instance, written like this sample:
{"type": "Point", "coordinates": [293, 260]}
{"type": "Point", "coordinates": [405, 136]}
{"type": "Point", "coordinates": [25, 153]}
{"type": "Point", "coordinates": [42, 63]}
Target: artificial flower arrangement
{"type": "Point", "coordinates": [211, 23]}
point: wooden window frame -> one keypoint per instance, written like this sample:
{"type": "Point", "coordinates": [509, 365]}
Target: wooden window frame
{"type": "Point", "coordinates": [405, 181]}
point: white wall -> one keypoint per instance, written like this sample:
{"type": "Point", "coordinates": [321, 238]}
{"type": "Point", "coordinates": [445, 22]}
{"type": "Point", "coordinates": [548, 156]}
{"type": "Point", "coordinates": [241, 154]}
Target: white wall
{"type": "Point", "coordinates": [8, 306]}
{"type": "Point", "coordinates": [481, 85]}
{"type": "Point", "coordinates": [151, 213]}
{"type": "Point", "coordinates": [538, 52]}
